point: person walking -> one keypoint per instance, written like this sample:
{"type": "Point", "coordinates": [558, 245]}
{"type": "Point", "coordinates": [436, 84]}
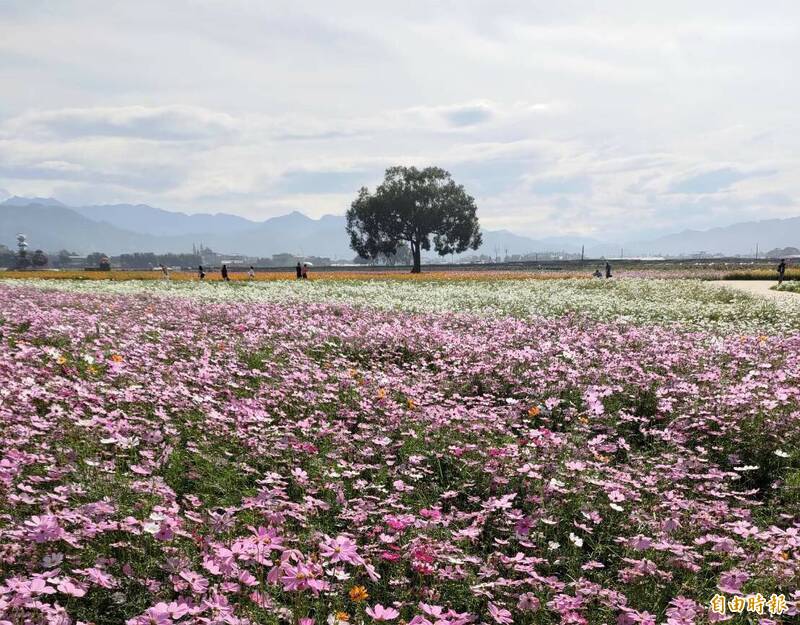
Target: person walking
{"type": "Point", "coordinates": [224, 273]}
{"type": "Point", "coordinates": [299, 270]}
{"type": "Point", "coordinates": [305, 271]}
{"type": "Point", "coordinates": [781, 271]}
{"type": "Point", "coordinates": [201, 273]}
{"type": "Point", "coordinates": [608, 269]}
{"type": "Point", "coordinates": [164, 271]}
{"type": "Point", "coordinates": [251, 274]}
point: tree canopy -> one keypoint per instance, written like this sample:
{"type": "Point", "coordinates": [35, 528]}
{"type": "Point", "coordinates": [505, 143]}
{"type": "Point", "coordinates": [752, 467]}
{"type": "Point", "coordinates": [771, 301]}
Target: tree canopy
{"type": "Point", "coordinates": [415, 206]}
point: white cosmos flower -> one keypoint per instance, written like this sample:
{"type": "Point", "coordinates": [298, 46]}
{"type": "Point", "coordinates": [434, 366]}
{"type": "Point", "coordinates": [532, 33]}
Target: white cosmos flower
{"type": "Point", "coordinates": [576, 540]}
{"type": "Point", "coordinates": [781, 454]}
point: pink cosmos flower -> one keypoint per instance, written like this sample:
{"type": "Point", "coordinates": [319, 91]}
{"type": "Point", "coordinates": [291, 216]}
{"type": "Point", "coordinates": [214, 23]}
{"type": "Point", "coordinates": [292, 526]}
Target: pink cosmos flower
{"type": "Point", "coordinates": [39, 586]}
{"type": "Point", "coordinates": [340, 549]}
{"type": "Point", "coordinates": [164, 533]}
{"type": "Point", "coordinates": [197, 583]}
{"type": "Point", "coordinates": [499, 614]}
{"type": "Point", "coordinates": [70, 587]}
{"type": "Point", "coordinates": [159, 614]}
{"type": "Point", "coordinates": [44, 528]}
{"type": "Point", "coordinates": [731, 581]}
{"type": "Point", "coordinates": [303, 576]}
{"type": "Point", "coordinates": [528, 602]}
{"type": "Point", "coordinates": [266, 538]}
{"type": "Point", "coordinates": [379, 613]}
{"type": "Point", "coordinates": [435, 611]}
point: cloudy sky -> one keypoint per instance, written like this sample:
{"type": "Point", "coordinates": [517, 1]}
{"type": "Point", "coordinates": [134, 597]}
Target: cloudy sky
{"type": "Point", "coordinates": [610, 119]}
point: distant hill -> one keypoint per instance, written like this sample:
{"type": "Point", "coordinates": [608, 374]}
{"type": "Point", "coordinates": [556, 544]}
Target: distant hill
{"type": "Point", "coordinates": [740, 238]}
{"type": "Point", "coordinates": [159, 222]}
{"type": "Point", "coordinates": [783, 252]}
{"type": "Point", "coordinates": [120, 228]}
{"type": "Point", "coordinates": [25, 201]}
{"type": "Point", "coordinates": [54, 227]}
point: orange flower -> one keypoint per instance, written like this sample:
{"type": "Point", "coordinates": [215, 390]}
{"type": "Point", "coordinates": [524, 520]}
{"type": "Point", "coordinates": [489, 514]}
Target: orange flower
{"type": "Point", "coordinates": [411, 404]}
{"type": "Point", "coordinates": [534, 411]}
{"type": "Point", "coordinates": [381, 393]}
{"type": "Point", "coordinates": [358, 594]}
{"type": "Point", "coordinates": [116, 357]}
{"type": "Point", "coordinates": [342, 616]}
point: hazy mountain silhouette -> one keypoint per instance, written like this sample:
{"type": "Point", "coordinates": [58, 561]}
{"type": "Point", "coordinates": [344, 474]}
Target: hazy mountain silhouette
{"type": "Point", "coordinates": [739, 238]}
{"type": "Point", "coordinates": [119, 228]}
{"type": "Point", "coordinates": [25, 201]}
{"type": "Point", "coordinates": [52, 227]}
{"type": "Point", "coordinates": [146, 219]}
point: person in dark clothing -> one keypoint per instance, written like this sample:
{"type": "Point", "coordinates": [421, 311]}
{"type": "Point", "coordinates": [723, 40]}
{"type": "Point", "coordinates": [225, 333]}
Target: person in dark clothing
{"type": "Point", "coordinates": [608, 269]}
{"type": "Point", "coordinates": [201, 273]}
{"type": "Point", "coordinates": [781, 270]}
{"type": "Point", "coordinates": [225, 273]}
{"type": "Point", "coordinates": [299, 270]}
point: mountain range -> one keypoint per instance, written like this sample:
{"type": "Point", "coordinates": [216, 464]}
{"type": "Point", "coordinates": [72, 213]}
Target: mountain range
{"type": "Point", "coordinates": [122, 228]}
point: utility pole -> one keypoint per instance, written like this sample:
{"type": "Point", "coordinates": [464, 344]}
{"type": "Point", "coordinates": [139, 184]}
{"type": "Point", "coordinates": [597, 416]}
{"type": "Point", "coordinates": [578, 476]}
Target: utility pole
{"type": "Point", "coordinates": [582, 253]}
{"type": "Point", "coordinates": [756, 251]}
{"type": "Point", "coordinates": [621, 255]}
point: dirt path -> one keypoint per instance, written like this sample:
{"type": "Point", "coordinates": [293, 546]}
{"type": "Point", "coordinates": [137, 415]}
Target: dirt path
{"type": "Point", "coordinates": [757, 287]}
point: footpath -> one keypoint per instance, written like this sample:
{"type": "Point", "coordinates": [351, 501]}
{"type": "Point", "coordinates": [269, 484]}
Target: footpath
{"type": "Point", "coordinates": [757, 287]}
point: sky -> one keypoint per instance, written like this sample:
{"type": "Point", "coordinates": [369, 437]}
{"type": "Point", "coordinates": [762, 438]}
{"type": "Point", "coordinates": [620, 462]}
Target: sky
{"type": "Point", "coordinates": [606, 119]}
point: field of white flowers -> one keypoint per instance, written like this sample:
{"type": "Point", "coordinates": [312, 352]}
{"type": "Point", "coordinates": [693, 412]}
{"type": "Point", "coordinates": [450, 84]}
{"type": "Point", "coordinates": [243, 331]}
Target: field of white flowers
{"type": "Point", "coordinates": [691, 303]}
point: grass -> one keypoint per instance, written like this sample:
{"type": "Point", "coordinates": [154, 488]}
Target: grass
{"type": "Point", "coordinates": [788, 287]}
{"type": "Point", "coordinates": [762, 274]}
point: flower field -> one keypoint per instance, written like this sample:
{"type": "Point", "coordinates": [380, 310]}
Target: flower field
{"type": "Point", "coordinates": [425, 452]}
{"type": "Point", "coordinates": [689, 303]}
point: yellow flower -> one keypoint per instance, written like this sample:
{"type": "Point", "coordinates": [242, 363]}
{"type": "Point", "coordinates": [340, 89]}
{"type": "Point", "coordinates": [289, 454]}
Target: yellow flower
{"type": "Point", "coordinates": [584, 420]}
{"type": "Point", "coordinates": [358, 594]}
{"type": "Point", "coordinates": [534, 411]}
{"type": "Point", "coordinates": [61, 360]}
{"type": "Point", "coordinates": [91, 369]}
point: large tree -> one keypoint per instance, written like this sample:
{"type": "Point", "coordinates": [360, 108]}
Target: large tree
{"type": "Point", "coordinates": [413, 206]}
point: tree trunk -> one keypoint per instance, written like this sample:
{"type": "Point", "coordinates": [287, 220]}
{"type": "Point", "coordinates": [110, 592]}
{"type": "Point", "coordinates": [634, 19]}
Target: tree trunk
{"type": "Point", "coordinates": [415, 251]}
